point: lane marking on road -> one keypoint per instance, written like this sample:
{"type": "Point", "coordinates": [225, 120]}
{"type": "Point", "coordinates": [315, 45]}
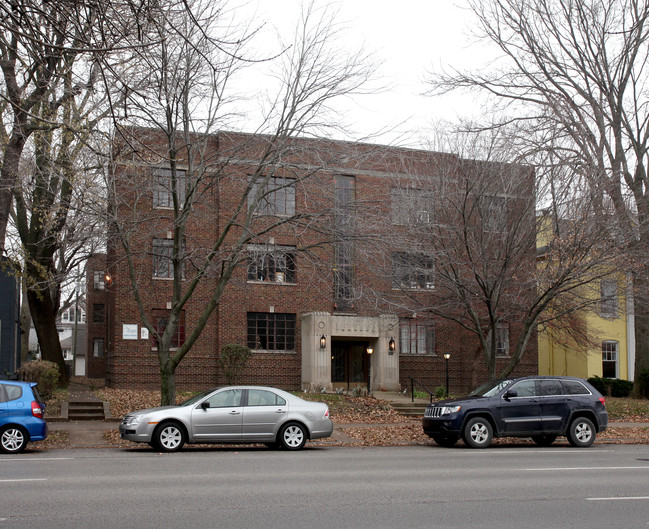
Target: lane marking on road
{"type": "Point", "coordinates": [27, 460]}
{"type": "Point", "coordinates": [619, 498]}
{"type": "Point", "coordinates": [16, 480]}
{"type": "Point", "coordinates": [554, 469]}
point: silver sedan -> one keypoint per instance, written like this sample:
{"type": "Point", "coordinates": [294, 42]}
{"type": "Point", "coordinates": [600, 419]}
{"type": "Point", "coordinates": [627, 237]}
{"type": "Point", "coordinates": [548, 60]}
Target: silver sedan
{"type": "Point", "coordinates": [234, 414]}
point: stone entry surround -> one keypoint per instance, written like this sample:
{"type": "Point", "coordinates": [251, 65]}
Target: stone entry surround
{"type": "Point", "coordinates": [316, 362]}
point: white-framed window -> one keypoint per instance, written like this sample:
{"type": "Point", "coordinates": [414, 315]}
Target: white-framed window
{"type": "Point", "coordinates": [163, 188]}
{"type": "Point", "coordinates": [502, 339]}
{"type": "Point", "coordinates": [610, 359]}
{"type": "Point", "coordinates": [67, 316]}
{"type": "Point", "coordinates": [608, 298]}
{"type": "Point", "coordinates": [99, 280]}
{"type": "Point", "coordinates": [278, 196]}
{"type": "Point", "coordinates": [416, 338]}
{"type": "Point", "coordinates": [411, 207]}
{"type": "Point", "coordinates": [271, 263]}
{"type": "Point", "coordinates": [412, 271]}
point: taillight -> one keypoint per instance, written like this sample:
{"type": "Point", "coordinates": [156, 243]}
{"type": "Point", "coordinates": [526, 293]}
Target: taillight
{"type": "Point", "coordinates": [37, 411]}
{"type": "Point", "coordinates": [603, 401]}
{"type": "Point", "coordinates": [326, 415]}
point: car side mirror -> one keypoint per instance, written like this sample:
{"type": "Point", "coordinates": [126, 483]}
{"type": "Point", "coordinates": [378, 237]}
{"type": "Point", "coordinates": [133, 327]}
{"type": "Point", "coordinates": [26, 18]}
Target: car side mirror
{"type": "Point", "coordinates": [510, 393]}
{"type": "Point", "coordinates": [205, 405]}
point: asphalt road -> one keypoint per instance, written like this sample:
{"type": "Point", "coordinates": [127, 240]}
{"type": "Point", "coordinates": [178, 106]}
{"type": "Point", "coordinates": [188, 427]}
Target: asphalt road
{"type": "Point", "coordinates": [400, 487]}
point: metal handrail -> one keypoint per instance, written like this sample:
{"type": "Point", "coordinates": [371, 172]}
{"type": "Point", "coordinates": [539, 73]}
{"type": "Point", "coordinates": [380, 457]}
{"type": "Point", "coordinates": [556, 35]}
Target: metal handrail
{"type": "Point", "coordinates": [413, 381]}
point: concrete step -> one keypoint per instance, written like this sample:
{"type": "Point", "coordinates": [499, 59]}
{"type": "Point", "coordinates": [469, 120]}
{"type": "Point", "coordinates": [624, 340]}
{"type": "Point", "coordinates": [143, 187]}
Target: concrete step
{"type": "Point", "coordinates": [410, 409]}
{"type": "Point", "coordinates": [86, 411]}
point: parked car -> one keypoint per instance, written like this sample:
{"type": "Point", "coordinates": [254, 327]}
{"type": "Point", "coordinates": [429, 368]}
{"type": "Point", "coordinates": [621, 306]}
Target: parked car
{"type": "Point", "coordinates": [21, 416]}
{"type": "Point", "coordinates": [234, 414]}
{"type": "Point", "coordinates": [540, 407]}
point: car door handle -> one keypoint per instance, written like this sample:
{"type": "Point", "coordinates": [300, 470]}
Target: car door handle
{"type": "Point", "coordinates": [234, 412]}
{"type": "Point", "coordinates": [280, 411]}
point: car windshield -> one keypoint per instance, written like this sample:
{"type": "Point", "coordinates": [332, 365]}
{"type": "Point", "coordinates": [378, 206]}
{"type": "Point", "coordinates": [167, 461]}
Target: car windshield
{"type": "Point", "coordinates": [489, 389]}
{"type": "Point", "coordinates": [197, 397]}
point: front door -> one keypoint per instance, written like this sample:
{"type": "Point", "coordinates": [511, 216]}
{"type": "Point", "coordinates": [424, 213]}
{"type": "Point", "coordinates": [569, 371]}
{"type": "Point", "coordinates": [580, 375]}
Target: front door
{"type": "Point", "coordinates": [349, 364]}
{"type": "Point", "coordinates": [222, 419]}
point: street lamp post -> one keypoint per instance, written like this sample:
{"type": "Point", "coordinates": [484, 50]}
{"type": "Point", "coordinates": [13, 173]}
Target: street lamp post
{"type": "Point", "coordinates": [446, 358]}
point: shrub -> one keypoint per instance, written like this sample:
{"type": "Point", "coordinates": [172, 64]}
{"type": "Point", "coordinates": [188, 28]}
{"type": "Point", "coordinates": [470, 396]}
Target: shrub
{"type": "Point", "coordinates": [233, 361]}
{"type": "Point", "coordinates": [44, 373]}
{"type": "Point", "coordinates": [440, 392]}
{"type": "Point", "coordinates": [612, 387]}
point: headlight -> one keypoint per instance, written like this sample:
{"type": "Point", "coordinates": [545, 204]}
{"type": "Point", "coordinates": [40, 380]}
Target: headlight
{"type": "Point", "coordinates": [447, 410]}
{"type": "Point", "coordinates": [132, 420]}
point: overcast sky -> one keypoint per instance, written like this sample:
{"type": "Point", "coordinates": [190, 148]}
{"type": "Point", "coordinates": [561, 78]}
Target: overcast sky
{"type": "Point", "coordinates": [409, 38]}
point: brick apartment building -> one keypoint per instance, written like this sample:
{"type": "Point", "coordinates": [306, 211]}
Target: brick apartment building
{"type": "Point", "coordinates": [330, 317]}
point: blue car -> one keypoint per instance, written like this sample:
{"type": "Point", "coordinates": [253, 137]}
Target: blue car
{"type": "Point", "coordinates": [21, 416]}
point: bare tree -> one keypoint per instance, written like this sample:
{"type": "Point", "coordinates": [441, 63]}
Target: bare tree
{"type": "Point", "coordinates": [178, 87]}
{"type": "Point", "coordinates": [468, 250]}
{"type": "Point", "coordinates": [577, 71]}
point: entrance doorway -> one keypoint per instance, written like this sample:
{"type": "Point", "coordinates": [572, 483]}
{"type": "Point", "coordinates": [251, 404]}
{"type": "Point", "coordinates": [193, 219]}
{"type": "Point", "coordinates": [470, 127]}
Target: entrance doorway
{"type": "Point", "coordinates": [350, 364]}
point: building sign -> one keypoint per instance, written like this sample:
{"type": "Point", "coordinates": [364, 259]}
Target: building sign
{"type": "Point", "coordinates": [144, 333]}
{"type": "Point", "coordinates": [129, 331]}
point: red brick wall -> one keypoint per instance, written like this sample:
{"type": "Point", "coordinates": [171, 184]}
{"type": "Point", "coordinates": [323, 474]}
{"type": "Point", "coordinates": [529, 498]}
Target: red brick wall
{"type": "Point", "coordinates": [135, 364]}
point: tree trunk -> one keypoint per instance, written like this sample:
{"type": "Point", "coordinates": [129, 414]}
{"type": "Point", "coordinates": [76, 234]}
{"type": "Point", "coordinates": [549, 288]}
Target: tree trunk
{"type": "Point", "coordinates": [44, 318]}
{"type": "Point", "coordinates": [168, 384]}
{"type": "Point", "coordinates": [641, 322]}
{"type": "Point", "coordinates": [25, 326]}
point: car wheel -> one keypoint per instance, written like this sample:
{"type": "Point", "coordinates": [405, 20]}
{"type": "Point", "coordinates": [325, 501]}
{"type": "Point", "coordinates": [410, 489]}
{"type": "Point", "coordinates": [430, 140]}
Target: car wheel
{"type": "Point", "coordinates": [581, 432]}
{"type": "Point", "coordinates": [544, 440]}
{"type": "Point", "coordinates": [169, 437]}
{"type": "Point", "coordinates": [445, 440]}
{"type": "Point", "coordinates": [478, 432]}
{"type": "Point", "coordinates": [292, 436]}
{"type": "Point", "coordinates": [13, 439]}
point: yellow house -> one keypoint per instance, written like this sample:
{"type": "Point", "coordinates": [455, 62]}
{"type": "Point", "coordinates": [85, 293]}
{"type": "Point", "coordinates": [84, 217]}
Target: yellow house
{"type": "Point", "coordinates": [610, 328]}
{"type": "Point", "coordinates": [608, 324]}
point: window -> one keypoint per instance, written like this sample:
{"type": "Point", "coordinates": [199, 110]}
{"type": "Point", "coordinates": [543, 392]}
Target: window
{"type": "Point", "coordinates": [609, 359]}
{"type": "Point", "coordinates": [573, 387]}
{"type": "Point", "coordinates": [344, 228]}
{"type": "Point", "coordinates": [525, 388]}
{"type": "Point", "coordinates": [502, 339]}
{"type": "Point", "coordinates": [67, 355]}
{"type": "Point", "coordinates": [98, 347]}
{"type": "Point", "coordinates": [608, 300]}
{"type": "Point", "coordinates": [163, 188]}
{"type": "Point", "coordinates": [162, 258]}
{"type": "Point", "coordinates": [271, 263]}
{"type": "Point", "coordinates": [261, 397]}
{"type": "Point", "coordinates": [160, 320]}
{"type": "Point", "coordinates": [411, 207]}
{"type": "Point", "coordinates": [99, 281]}
{"type": "Point", "coordinates": [494, 212]}
{"type": "Point", "coordinates": [416, 338]}
{"type": "Point", "coordinates": [412, 271]}
{"type": "Point", "coordinates": [278, 196]}
{"type": "Point", "coordinates": [98, 313]}
{"type": "Point", "coordinates": [551, 387]}
{"type": "Point", "coordinates": [269, 331]}
{"type": "Point", "coordinates": [230, 398]}
{"type": "Point", "coordinates": [67, 316]}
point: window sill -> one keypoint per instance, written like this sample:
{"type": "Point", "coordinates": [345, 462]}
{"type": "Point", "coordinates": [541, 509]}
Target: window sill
{"type": "Point", "coordinates": [273, 351]}
{"type": "Point", "coordinates": [282, 283]}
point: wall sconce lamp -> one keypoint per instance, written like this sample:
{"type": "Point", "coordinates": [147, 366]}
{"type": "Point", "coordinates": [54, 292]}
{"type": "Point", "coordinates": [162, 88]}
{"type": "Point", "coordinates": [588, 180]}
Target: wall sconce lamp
{"type": "Point", "coordinates": [391, 346]}
{"type": "Point", "coordinates": [323, 341]}
{"type": "Point", "coordinates": [369, 349]}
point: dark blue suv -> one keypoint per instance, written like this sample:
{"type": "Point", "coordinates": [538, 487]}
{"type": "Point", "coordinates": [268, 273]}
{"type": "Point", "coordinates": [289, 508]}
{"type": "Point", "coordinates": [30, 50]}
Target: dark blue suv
{"type": "Point", "coordinates": [21, 416]}
{"type": "Point", "coordinates": [539, 407]}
